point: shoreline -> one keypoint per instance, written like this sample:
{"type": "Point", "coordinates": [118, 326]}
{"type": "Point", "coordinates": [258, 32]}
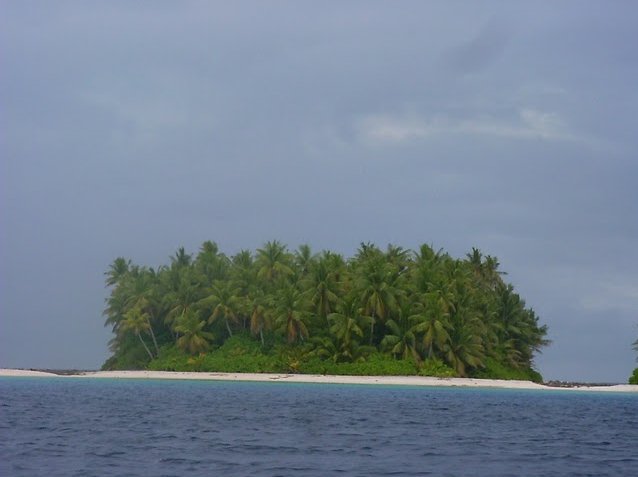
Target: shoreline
{"type": "Point", "coordinates": [318, 379]}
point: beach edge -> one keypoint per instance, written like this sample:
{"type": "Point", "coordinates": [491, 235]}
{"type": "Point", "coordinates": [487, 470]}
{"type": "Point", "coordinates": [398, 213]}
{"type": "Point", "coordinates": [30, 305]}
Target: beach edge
{"type": "Point", "coordinates": [317, 379]}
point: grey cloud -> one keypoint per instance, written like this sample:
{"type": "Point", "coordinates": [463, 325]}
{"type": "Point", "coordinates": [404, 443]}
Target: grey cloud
{"type": "Point", "coordinates": [481, 50]}
{"type": "Point", "coordinates": [134, 129]}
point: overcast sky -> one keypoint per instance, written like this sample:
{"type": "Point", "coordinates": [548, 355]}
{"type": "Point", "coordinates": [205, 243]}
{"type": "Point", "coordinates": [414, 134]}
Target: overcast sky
{"type": "Point", "coordinates": [133, 128]}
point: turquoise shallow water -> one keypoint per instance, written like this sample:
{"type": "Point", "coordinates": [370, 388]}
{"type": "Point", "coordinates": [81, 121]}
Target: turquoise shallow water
{"type": "Point", "coordinates": [128, 427]}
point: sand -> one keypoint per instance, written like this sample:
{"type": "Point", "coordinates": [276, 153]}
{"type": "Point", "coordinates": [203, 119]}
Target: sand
{"type": "Point", "coordinates": [312, 378]}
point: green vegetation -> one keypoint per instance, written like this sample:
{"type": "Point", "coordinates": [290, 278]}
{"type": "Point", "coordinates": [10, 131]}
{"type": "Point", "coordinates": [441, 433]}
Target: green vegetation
{"type": "Point", "coordinates": [392, 312]}
{"type": "Point", "coordinates": [633, 379]}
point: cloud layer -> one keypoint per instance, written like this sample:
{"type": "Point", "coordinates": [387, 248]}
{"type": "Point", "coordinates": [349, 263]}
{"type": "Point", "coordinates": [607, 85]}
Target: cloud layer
{"type": "Point", "coordinates": [134, 129]}
{"type": "Point", "coordinates": [528, 124]}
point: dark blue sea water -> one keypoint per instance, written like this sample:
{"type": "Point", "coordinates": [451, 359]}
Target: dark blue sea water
{"type": "Point", "coordinates": [66, 427]}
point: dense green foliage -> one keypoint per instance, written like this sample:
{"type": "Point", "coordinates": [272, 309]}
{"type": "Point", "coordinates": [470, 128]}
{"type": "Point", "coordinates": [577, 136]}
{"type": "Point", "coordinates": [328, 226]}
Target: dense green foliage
{"type": "Point", "coordinates": [633, 379]}
{"type": "Point", "coordinates": [379, 312]}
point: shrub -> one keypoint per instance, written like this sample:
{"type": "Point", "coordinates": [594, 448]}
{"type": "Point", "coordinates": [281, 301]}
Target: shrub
{"type": "Point", "coordinates": [633, 379]}
{"type": "Point", "coordinates": [242, 354]}
{"type": "Point", "coordinates": [129, 357]}
{"type": "Point", "coordinates": [378, 364]}
{"type": "Point", "coordinates": [496, 370]}
{"type": "Point", "coordinates": [436, 368]}
{"type": "Point", "coordinates": [239, 354]}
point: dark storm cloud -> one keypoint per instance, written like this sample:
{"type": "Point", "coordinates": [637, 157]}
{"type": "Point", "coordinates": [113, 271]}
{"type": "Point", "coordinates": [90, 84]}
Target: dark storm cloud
{"type": "Point", "coordinates": [132, 129]}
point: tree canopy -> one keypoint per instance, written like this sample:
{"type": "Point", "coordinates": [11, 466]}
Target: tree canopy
{"type": "Point", "coordinates": [425, 308]}
{"type": "Point", "coordinates": [633, 379]}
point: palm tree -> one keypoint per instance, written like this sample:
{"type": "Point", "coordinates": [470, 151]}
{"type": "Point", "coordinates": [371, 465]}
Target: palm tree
{"type": "Point", "coordinates": [137, 322]}
{"type": "Point", "coordinates": [367, 251]}
{"type": "Point", "coordinates": [117, 270]}
{"type": "Point", "coordinates": [304, 259]}
{"type": "Point", "coordinates": [211, 264]}
{"type": "Point", "coordinates": [181, 258]}
{"type": "Point", "coordinates": [115, 308]}
{"type": "Point", "coordinates": [259, 314]}
{"type": "Point", "coordinates": [224, 301]}
{"type": "Point", "coordinates": [517, 328]}
{"type": "Point", "coordinates": [135, 287]}
{"type": "Point", "coordinates": [378, 295]}
{"type": "Point", "coordinates": [435, 336]}
{"type": "Point", "coordinates": [534, 336]}
{"type": "Point", "coordinates": [243, 275]}
{"type": "Point", "coordinates": [431, 322]}
{"type": "Point", "coordinates": [324, 348]}
{"type": "Point", "coordinates": [491, 270]}
{"type": "Point", "coordinates": [321, 288]}
{"type": "Point", "coordinates": [243, 271]}
{"type": "Point", "coordinates": [141, 290]}
{"type": "Point", "coordinates": [273, 262]}
{"type": "Point", "coordinates": [401, 341]}
{"type": "Point", "coordinates": [345, 329]}
{"type": "Point", "coordinates": [182, 292]}
{"type": "Point", "coordinates": [398, 257]}
{"type": "Point", "coordinates": [193, 338]}
{"type": "Point", "coordinates": [346, 326]}
{"type": "Point", "coordinates": [290, 314]}
{"type": "Point", "coordinates": [485, 268]}
{"type": "Point", "coordinates": [336, 265]}
{"type": "Point", "coordinates": [465, 348]}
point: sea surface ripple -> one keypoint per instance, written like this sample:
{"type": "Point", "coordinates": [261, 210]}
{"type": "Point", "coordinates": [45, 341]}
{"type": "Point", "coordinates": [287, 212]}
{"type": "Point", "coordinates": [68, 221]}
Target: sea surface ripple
{"type": "Point", "coordinates": [79, 427]}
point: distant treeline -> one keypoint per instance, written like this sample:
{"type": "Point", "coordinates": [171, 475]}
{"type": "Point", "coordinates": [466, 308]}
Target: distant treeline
{"type": "Point", "coordinates": [633, 379]}
{"type": "Point", "coordinates": [383, 311]}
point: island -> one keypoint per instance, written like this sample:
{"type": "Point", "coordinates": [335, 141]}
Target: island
{"type": "Point", "coordinates": [633, 379]}
{"type": "Point", "coordinates": [381, 312]}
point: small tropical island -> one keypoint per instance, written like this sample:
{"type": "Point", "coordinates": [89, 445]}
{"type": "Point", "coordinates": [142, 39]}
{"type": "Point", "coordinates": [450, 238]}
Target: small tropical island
{"type": "Point", "coordinates": [392, 312]}
{"type": "Point", "coordinates": [633, 379]}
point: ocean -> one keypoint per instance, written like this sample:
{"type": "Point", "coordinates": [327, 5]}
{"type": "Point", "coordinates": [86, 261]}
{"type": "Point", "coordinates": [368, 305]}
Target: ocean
{"type": "Point", "coordinates": [110, 427]}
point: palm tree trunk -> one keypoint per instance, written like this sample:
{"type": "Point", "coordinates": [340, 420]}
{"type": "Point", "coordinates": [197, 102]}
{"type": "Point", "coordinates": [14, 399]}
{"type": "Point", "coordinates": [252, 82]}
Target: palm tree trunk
{"type": "Point", "coordinates": [372, 327]}
{"type": "Point", "coordinates": [230, 333]}
{"type": "Point", "coordinates": [176, 333]}
{"type": "Point", "coordinates": [261, 335]}
{"type": "Point", "coordinates": [150, 328]}
{"type": "Point", "coordinates": [139, 335]}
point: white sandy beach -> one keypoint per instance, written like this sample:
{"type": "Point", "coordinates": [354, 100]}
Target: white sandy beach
{"type": "Point", "coordinates": [321, 379]}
